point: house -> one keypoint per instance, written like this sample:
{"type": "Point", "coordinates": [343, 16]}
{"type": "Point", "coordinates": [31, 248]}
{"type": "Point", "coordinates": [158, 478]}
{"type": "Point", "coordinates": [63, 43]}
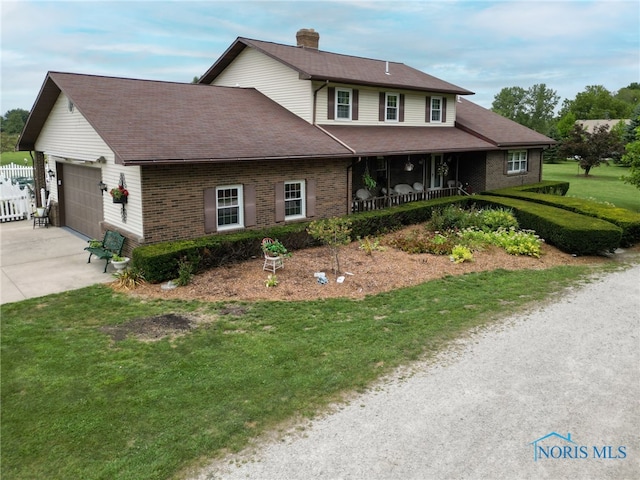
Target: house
{"type": "Point", "coordinates": [271, 134]}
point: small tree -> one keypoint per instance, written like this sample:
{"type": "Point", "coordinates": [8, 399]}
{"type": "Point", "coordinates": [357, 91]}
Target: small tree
{"type": "Point", "coordinates": [590, 149]}
{"type": "Point", "coordinates": [632, 158]}
{"type": "Point", "coordinates": [332, 232]}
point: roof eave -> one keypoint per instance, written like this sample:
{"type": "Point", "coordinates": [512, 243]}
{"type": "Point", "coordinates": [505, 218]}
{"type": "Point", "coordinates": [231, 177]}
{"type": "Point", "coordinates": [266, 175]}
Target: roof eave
{"type": "Point", "coordinates": [38, 115]}
{"type": "Point", "coordinates": [181, 161]}
{"type": "Point", "coordinates": [459, 91]}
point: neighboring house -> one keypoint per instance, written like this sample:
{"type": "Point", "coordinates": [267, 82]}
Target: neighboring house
{"type": "Point", "coordinates": [590, 125]}
{"type": "Point", "coordinates": [272, 134]}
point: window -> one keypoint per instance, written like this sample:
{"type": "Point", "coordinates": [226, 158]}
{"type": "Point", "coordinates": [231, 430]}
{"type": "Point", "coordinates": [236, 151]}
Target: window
{"type": "Point", "coordinates": [517, 161]}
{"type": "Point", "coordinates": [229, 207]}
{"type": "Point", "coordinates": [392, 103]}
{"type": "Point", "coordinates": [436, 109]}
{"type": "Point", "coordinates": [294, 200]}
{"type": "Point", "coordinates": [343, 103]}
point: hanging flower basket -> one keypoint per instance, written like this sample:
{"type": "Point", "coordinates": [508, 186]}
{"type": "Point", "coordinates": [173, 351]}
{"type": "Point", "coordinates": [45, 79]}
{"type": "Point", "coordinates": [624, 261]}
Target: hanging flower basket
{"type": "Point", "coordinates": [119, 194]}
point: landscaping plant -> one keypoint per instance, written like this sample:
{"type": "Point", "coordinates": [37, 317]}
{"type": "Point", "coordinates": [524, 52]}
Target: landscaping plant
{"type": "Point", "coordinates": [333, 232]}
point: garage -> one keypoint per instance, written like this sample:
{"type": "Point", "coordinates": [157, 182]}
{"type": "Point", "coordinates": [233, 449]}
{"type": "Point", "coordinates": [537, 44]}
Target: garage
{"type": "Point", "coordinates": [83, 208]}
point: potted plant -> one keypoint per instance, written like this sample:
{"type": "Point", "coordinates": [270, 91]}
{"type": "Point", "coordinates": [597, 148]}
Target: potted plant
{"type": "Point", "coordinates": [119, 262]}
{"type": "Point", "coordinates": [119, 194]}
{"type": "Point", "coordinates": [274, 248]}
{"type": "Point", "coordinates": [368, 180]}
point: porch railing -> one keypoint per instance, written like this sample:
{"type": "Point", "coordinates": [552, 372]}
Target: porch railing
{"type": "Point", "coordinates": [380, 203]}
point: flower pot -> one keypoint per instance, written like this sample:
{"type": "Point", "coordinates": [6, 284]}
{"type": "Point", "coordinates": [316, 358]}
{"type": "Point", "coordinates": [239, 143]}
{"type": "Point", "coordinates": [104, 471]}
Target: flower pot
{"type": "Point", "coordinates": [40, 211]}
{"type": "Point", "coordinates": [120, 200]}
{"type": "Point", "coordinates": [121, 265]}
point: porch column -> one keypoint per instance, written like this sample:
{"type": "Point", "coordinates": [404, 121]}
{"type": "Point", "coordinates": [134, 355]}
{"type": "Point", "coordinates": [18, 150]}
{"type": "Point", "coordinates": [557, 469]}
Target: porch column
{"type": "Point", "coordinates": [39, 176]}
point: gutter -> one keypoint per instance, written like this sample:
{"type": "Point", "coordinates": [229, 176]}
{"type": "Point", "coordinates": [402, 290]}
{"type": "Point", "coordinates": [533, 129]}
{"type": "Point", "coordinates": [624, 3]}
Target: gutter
{"type": "Point", "coordinates": [335, 138]}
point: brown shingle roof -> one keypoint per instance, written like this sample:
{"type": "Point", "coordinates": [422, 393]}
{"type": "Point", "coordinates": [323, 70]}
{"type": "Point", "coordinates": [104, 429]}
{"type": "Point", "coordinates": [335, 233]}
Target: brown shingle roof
{"type": "Point", "coordinates": [396, 140]}
{"type": "Point", "coordinates": [319, 65]}
{"type": "Point", "coordinates": [146, 121]}
{"type": "Point", "coordinates": [495, 128]}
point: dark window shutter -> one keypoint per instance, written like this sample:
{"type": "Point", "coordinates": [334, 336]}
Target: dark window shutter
{"type": "Point", "coordinates": [311, 198]}
{"type": "Point", "coordinates": [444, 109]}
{"type": "Point", "coordinates": [427, 115]}
{"type": "Point", "coordinates": [354, 106]}
{"type": "Point", "coordinates": [280, 202]}
{"type": "Point", "coordinates": [331, 103]}
{"type": "Point", "coordinates": [250, 218]}
{"type": "Point", "coordinates": [401, 108]}
{"type": "Point", "coordinates": [210, 214]}
{"type": "Point", "coordinates": [382, 107]}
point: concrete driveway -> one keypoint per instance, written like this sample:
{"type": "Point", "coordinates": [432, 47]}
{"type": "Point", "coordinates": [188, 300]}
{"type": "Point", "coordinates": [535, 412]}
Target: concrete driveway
{"type": "Point", "coordinates": [41, 261]}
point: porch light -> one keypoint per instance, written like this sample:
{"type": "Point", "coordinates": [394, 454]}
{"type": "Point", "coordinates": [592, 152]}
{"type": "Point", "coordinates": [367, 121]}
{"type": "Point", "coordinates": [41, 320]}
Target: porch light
{"type": "Point", "coordinates": [408, 166]}
{"type": "Point", "coordinates": [51, 174]}
{"type": "Point", "coordinates": [102, 186]}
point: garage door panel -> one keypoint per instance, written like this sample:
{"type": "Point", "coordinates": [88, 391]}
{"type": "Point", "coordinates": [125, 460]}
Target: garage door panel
{"type": "Point", "coordinates": [83, 199]}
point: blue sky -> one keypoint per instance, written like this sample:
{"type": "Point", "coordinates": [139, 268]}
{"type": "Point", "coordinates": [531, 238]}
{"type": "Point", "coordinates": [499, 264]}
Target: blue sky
{"type": "Point", "coordinates": [482, 46]}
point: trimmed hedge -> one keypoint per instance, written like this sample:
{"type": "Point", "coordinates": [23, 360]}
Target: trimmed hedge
{"type": "Point", "coordinates": [160, 261]}
{"type": "Point", "coordinates": [551, 187]}
{"type": "Point", "coordinates": [627, 220]}
{"type": "Point", "coordinates": [569, 231]}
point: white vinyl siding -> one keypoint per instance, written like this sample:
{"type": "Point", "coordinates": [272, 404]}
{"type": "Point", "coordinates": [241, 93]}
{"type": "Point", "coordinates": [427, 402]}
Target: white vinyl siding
{"type": "Point", "coordinates": [67, 137]}
{"type": "Point", "coordinates": [275, 80]}
{"type": "Point", "coordinates": [368, 108]}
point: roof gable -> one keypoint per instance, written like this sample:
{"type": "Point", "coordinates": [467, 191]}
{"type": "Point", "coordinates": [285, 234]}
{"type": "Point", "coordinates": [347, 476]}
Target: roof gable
{"type": "Point", "coordinates": [313, 64]}
{"type": "Point", "coordinates": [145, 121]}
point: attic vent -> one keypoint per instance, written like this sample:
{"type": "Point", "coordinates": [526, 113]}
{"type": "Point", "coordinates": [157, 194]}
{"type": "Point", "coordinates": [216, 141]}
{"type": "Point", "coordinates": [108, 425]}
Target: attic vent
{"type": "Point", "coordinates": [308, 38]}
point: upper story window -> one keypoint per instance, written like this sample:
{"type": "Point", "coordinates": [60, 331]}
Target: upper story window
{"type": "Point", "coordinates": [343, 103]}
{"type": "Point", "coordinates": [392, 104]}
{"type": "Point", "coordinates": [294, 199]}
{"type": "Point", "coordinates": [229, 208]}
{"type": "Point", "coordinates": [517, 161]}
{"type": "Point", "coordinates": [436, 109]}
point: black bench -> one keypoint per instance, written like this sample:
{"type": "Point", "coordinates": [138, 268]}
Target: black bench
{"type": "Point", "coordinates": [111, 245]}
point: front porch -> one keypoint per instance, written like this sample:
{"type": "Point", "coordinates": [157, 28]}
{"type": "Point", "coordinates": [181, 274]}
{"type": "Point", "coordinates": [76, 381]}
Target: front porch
{"type": "Point", "coordinates": [381, 182]}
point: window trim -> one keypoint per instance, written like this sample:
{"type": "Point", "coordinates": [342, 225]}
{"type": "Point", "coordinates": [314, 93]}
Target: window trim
{"type": "Point", "coordinates": [511, 162]}
{"type": "Point", "coordinates": [434, 110]}
{"type": "Point", "coordinates": [387, 108]}
{"type": "Point", "coordinates": [338, 104]}
{"type": "Point", "coordinates": [240, 207]}
{"type": "Point", "coordinates": [302, 198]}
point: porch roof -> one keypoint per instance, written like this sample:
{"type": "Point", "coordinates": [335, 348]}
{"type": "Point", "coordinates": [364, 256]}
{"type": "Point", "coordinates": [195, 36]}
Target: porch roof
{"type": "Point", "coordinates": [393, 140]}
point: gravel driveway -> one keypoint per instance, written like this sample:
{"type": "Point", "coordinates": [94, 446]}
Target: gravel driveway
{"type": "Point", "coordinates": [571, 367]}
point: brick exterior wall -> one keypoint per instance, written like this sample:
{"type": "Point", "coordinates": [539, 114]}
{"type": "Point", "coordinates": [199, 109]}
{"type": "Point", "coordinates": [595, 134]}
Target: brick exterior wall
{"type": "Point", "coordinates": [173, 195]}
{"type": "Point", "coordinates": [497, 178]}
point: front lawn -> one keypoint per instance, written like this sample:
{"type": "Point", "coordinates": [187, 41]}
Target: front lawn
{"type": "Point", "coordinates": [603, 183]}
{"type": "Point", "coordinates": [81, 400]}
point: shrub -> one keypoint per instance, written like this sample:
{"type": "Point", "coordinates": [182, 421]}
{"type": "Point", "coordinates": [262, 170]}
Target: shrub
{"type": "Point", "coordinates": [566, 230]}
{"type": "Point", "coordinates": [460, 254]}
{"type": "Point", "coordinates": [332, 232]}
{"type": "Point", "coordinates": [496, 218]}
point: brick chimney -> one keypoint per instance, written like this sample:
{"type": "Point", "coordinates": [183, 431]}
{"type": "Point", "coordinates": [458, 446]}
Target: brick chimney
{"type": "Point", "coordinates": [308, 38]}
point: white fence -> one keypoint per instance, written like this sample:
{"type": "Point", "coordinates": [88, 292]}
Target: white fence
{"type": "Point", "coordinates": [16, 202]}
{"type": "Point", "coordinates": [13, 171]}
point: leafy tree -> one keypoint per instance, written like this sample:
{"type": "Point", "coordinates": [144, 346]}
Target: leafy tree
{"type": "Point", "coordinates": [590, 149]}
{"type": "Point", "coordinates": [630, 94]}
{"type": "Point", "coordinates": [565, 125]}
{"type": "Point", "coordinates": [332, 232]}
{"type": "Point", "coordinates": [14, 120]}
{"type": "Point", "coordinates": [632, 158]}
{"type": "Point", "coordinates": [8, 142]}
{"type": "Point", "coordinates": [532, 108]}
{"type": "Point", "coordinates": [596, 102]}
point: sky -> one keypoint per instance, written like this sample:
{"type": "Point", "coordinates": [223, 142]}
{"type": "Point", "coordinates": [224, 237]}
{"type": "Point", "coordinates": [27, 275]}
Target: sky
{"type": "Point", "coordinates": [482, 46]}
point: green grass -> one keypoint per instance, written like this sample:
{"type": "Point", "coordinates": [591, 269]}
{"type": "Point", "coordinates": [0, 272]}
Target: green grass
{"type": "Point", "coordinates": [76, 404]}
{"type": "Point", "coordinates": [603, 183]}
{"type": "Point", "coordinates": [15, 157]}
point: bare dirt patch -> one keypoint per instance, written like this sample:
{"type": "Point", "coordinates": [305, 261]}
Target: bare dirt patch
{"type": "Point", "coordinates": [150, 328]}
{"type": "Point", "coordinates": [363, 274]}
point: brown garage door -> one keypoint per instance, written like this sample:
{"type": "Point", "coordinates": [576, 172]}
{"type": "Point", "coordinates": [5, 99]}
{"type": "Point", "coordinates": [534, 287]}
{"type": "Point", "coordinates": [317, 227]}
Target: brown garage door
{"type": "Point", "coordinates": [83, 200]}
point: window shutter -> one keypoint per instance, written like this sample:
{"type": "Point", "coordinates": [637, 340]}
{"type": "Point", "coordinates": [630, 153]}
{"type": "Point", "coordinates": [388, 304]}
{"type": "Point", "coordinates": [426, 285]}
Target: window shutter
{"type": "Point", "coordinates": [311, 197]}
{"type": "Point", "coordinates": [444, 109]}
{"type": "Point", "coordinates": [280, 202]}
{"type": "Point", "coordinates": [427, 115]}
{"type": "Point", "coordinates": [354, 106]}
{"type": "Point", "coordinates": [505, 169]}
{"type": "Point", "coordinates": [401, 108]}
{"type": "Point", "coordinates": [249, 205]}
{"type": "Point", "coordinates": [331, 103]}
{"type": "Point", "coordinates": [210, 214]}
{"type": "Point", "coordinates": [382, 107]}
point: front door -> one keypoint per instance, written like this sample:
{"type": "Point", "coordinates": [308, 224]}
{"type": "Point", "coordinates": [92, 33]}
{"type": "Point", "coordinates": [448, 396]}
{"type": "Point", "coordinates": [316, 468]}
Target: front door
{"type": "Point", "coordinates": [435, 179]}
